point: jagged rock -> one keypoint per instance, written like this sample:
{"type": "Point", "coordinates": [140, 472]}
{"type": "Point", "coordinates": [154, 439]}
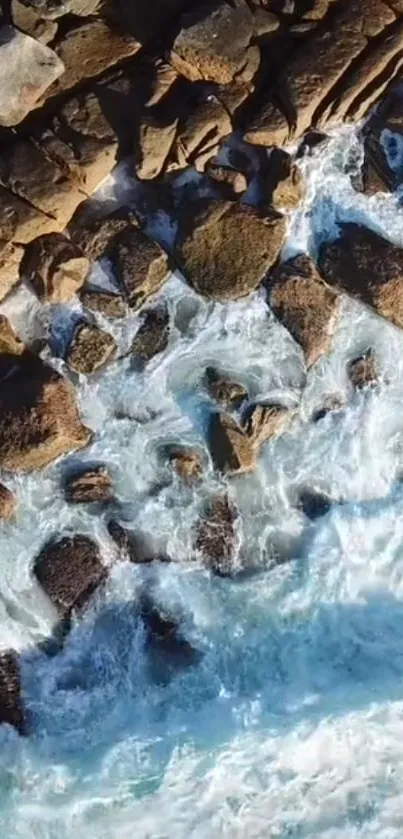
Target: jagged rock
{"type": "Point", "coordinates": [31, 175]}
{"type": "Point", "coordinates": [27, 69]}
{"type": "Point", "coordinates": [304, 305]}
{"type": "Point", "coordinates": [135, 546]}
{"type": "Point", "coordinates": [89, 486]}
{"type": "Point", "coordinates": [224, 249]}
{"type": "Point", "coordinates": [228, 393]}
{"type": "Point", "coordinates": [154, 143]}
{"type": "Point", "coordinates": [96, 237]}
{"type": "Point", "coordinates": [164, 642]}
{"type": "Point", "coordinates": [188, 464]}
{"type": "Point", "coordinates": [69, 569]}
{"type": "Point", "coordinates": [110, 305]}
{"type": "Point", "coordinates": [262, 422]}
{"type": "Point", "coordinates": [57, 8]}
{"type": "Point", "coordinates": [368, 267]}
{"type": "Point", "coordinates": [230, 182]}
{"type": "Point", "coordinates": [332, 404]}
{"type": "Point", "coordinates": [55, 267]}
{"type": "Point", "coordinates": [203, 125]}
{"type": "Point", "coordinates": [20, 222]}
{"type": "Point", "coordinates": [141, 265]}
{"type": "Point", "coordinates": [362, 371]}
{"type": "Point", "coordinates": [284, 183]}
{"type": "Point", "coordinates": [8, 503]}
{"type": "Point", "coordinates": [314, 504]}
{"type": "Point", "coordinates": [11, 710]}
{"type": "Point", "coordinates": [386, 124]}
{"type": "Point", "coordinates": [39, 420]}
{"type": "Point", "coordinates": [10, 260]}
{"type": "Point", "coordinates": [90, 349]}
{"type": "Point", "coordinates": [216, 535]}
{"type": "Point", "coordinates": [232, 450]}
{"type": "Point", "coordinates": [215, 44]}
{"type": "Point", "coordinates": [152, 337]}
{"type": "Point", "coordinates": [89, 50]}
{"type": "Point", "coordinates": [323, 80]}
{"type": "Point", "coordinates": [27, 19]}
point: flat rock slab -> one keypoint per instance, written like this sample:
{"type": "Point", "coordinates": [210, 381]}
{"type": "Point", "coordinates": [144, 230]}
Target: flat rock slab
{"type": "Point", "coordinates": [11, 710]}
{"type": "Point", "coordinates": [90, 349]}
{"type": "Point", "coordinates": [39, 420]}
{"type": "Point", "coordinates": [225, 250]}
{"type": "Point", "coordinates": [304, 305]}
{"type": "Point", "coordinates": [367, 267]}
{"type": "Point", "coordinates": [27, 69]}
{"type": "Point", "coordinates": [69, 570]}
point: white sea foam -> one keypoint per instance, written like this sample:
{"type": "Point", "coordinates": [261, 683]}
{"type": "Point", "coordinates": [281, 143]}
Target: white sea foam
{"type": "Point", "coordinates": [291, 725]}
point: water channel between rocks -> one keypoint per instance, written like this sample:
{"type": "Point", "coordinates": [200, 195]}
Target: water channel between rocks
{"type": "Point", "coordinates": [290, 726]}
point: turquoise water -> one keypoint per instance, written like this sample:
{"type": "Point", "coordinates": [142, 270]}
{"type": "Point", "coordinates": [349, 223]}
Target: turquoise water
{"type": "Point", "coordinates": [290, 726]}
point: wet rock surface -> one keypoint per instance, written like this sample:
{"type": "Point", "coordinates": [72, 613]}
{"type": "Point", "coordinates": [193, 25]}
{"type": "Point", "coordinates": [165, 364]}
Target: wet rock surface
{"type": "Point", "coordinates": [224, 390]}
{"type": "Point", "coordinates": [362, 371]}
{"type": "Point", "coordinates": [216, 537]}
{"type": "Point", "coordinates": [11, 710]}
{"type": "Point", "coordinates": [90, 349]}
{"type": "Point", "coordinates": [89, 486]}
{"type": "Point", "coordinates": [152, 337]}
{"type": "Point", "coordinates": [187, 463]}
{"type": "Point", "coordinates": [8, 503]}
{"type": "Point", "coordinates": [232, 450]}
{"type": "Point", "coordinates": [69, 570]}
{"type": "Point", "coordinates": [262, 422]}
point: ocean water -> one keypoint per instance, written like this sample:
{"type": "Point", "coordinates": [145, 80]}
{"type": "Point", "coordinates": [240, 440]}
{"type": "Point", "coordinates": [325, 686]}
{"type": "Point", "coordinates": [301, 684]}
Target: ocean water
{"type": "Point", "coordinates": [291, 724]}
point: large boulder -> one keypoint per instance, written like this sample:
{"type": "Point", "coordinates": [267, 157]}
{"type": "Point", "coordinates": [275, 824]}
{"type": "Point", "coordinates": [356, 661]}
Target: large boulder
{"type": "Point", "coordinates": [214, 43]}
{"type": "Point", "coordinates": [216, 538]}
{"type": "Point", "coordinates": [306, 307]}
{"type": "Point", "coordinates": [27, 69]}
{"type": "Point", "coordinates": [39, 420]}
{"type": "Point", "coordinates": [232, 450]}
{"type": "Point", "coordinates": [11, 710]}
{"type": "Point", "coordinates": [69, 570]}
{"type": "Point", "coordinates": [225, 250]}
{"type": "Point", "coordinates": [55, 267]}
{"type": "Point", "coordinates": [141, 265]}
{"type": "Point", "coordinates": [368, 267]}
{"type": "Point", "coordinates": [90, 349]}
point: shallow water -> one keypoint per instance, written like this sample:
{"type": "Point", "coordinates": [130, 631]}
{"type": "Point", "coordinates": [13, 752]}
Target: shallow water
{"type": "Point", "coordinates": [291, 724]}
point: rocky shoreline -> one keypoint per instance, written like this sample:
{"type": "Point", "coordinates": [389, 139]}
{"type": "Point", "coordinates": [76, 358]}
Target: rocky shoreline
{"type": "Point", "coordinates": [168, 88]}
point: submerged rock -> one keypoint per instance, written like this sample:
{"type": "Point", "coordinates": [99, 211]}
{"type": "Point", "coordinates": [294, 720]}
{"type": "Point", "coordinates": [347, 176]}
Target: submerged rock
{"type": "Point", "coordinates": [225, 391]}
{"type": "Point", "coordinates": [232, 450]}
{"type": "Point", "coordinates": [90, 349]}
{"type": "Point", "coordinates": [314, 504]}
{"type": "Point", "coordinates": [188, 464]}
{"type": "Point", "coordinates": [89, 486]}
{"type": "Point", "coordinates": [135, 546]}
{"type": "Point", "coordinates": [55, 267]}
{"type": "Point", "coordinates": [69, 569]}
{"type": "Point", "coordinates": [216, 536]}
{"type": "Point", "coordinates": [332, 404]}
{"type": "Point", "coordinates": [11, 710]}
{"type": "Point", "coordinates": [224, 249]}
{"type": "Point", "coordinates": [152, 337]}
{"type": "Point", "coordinates": [368, 267]}
{"type": "Point", "coordinates": [304, 305]}
{"type": "Point", "coordinates": [39, 420]}
{"type": "Point", "coordinates": [8, 503]}
{"type": "Point", "coordinates": [164, 642]}
{"type": "Point", "coordinates": [362, 371]}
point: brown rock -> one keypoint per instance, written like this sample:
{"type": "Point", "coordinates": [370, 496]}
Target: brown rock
{"type": "Point", "coordinates": [55, 267]}
{"type": "Point", "coordinates": [20, 222]}
{"type": "Point", "coordinates": [153, 146]}
{"type": "Point", "coordinates": [136, 547]}
{"type": "Point", "coordinates": [11, 711]}
{"type": "Point", "coordinates": [188, 464]}
{"type": "Point", "coordinates": [228, 393]}
{"type": "Point", "coordinates": [368, 267]}
{"type": "Point", "coordinates": [216, 535]}
{"type": "Point", "coordinates": [8, 503]}
{"type": "Point", "coordinates": [152, 337]}
{"type": "Point", "coordinates": [110, 305]}
{"type": "Point", "coordinates": [39, 420]}
{"type": "Point", "coordinates": [10, 260]}
{"type": "Point", "coordinates": [317, 72]}
{"type": "Point", "coordinates": [224, 249]}
{"type": "Point", "coordinates": [230, 182]}
{"type": "Point", "coordinates": [304, 305]}
{"type": "Point", "coordinates": [214, 44]}
{"type": "Point", "coordinates": [232, 450]}
{"type": "Point", "coordinates": [12, 350]}
{"type": "Point", "coordinates": [263, 422]}
{"type": "Point", "coordinates": [53, 9]}
{"type": "Point", "coordinates": [29, 21]}
{"type": "Point", "coordinates": [26, 171]}
{"type": "Point", "coordinates": [377, 174]}
{"type": "Point", "coordinates": [96, 237]}
{"type": "Point", "coordinates": [284, 181]}
{"type": "Point", "coordinates": [141, 265]}
{"type": "Point", "coordinates": [90, 349]}
{"type": "Point", "coordinates": [69, 570]}
{"type": "Point", "coordinates": [362, 371]}
{"type": "Point", "coordinates": [88, 50]}
{"type": "Point", "coordinates": [201, 128]}
{"type": "Point", "coordinates": [89, 486]}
